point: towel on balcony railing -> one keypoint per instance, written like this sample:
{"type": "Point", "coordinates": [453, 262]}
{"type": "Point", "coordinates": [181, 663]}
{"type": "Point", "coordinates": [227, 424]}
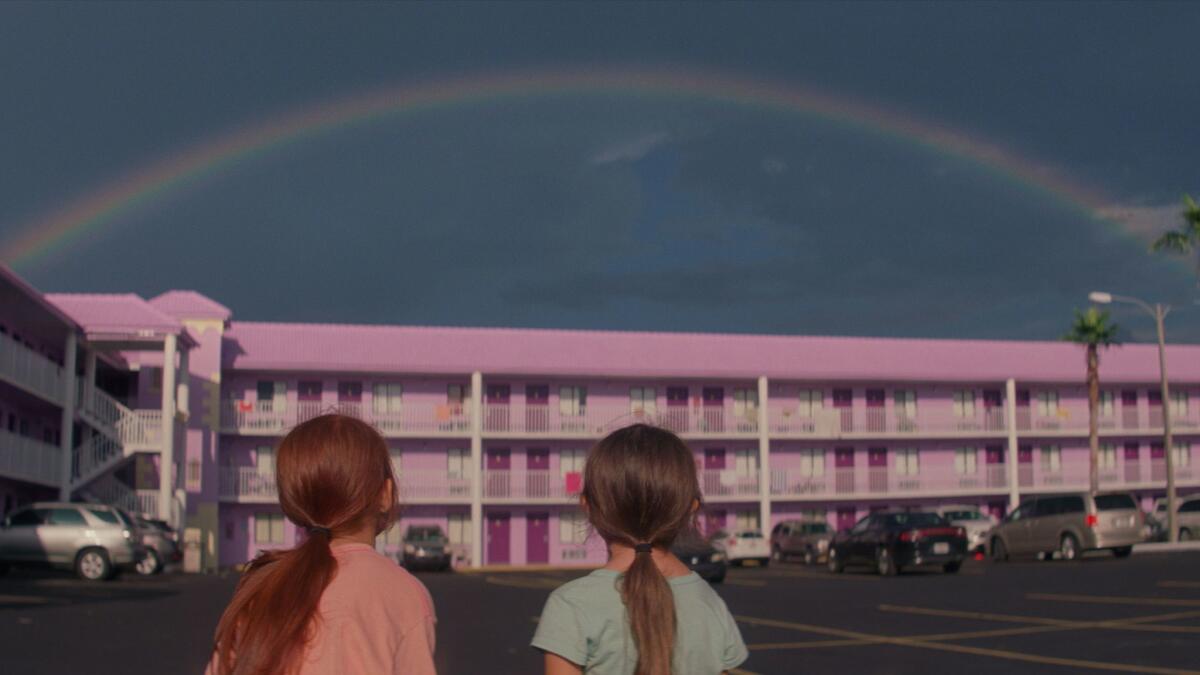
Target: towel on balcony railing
{"type": "Point", "coordinates": [574, 481]}
{"type": "Point", "coordinates": [442, 413]}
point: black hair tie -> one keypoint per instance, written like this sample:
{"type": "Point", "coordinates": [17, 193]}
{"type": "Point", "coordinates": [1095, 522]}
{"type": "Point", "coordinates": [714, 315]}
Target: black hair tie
{"type": "Point", "coordinates": [643, 548]}
{"type": "Point", "coordinates": [314, 530]}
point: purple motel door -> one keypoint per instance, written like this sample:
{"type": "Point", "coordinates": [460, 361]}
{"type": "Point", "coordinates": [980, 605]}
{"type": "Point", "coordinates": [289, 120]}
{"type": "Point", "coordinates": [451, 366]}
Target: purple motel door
{"type": "Point", "coordinates": [498, 537]}
{"type": "Point", "coordinates": [714, 408]}
{"type": "Point", "coordinates": [496, 399]}
{"type": "Point", "coordinates": [677, 409]}
{"type": "Point", "coordinates": [714, 459]}
{"type": "Point", "coordinates": [537, 538]}
{"type": "Point", "coordinates": [994, 457]}
{"type": "Point", "coordinates": [846, 517]}
{"type": "Point", "coordinates": [714, 520]}
{"type": "Point", "coordinates": [1133, 463]}
{"type": "Point", "coordinates": [876, 418]}
{"type": "Point", "coordinates": [499, 480]}
{"type": "Point", "coordinates": [843, 399]}
{"type": "Point", "coordinates": [843, 460]}
{"type": "Point", "coordinates": [877, 474]}
{"type": "Point", "coordinates": [537, 407]}
{"type": "Point", "coordinates": [537, 478]}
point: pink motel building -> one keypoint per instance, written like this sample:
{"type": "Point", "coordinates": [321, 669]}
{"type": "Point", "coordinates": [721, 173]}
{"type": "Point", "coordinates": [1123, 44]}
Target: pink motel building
{"type": "Point", "coordinates": [170, 407]}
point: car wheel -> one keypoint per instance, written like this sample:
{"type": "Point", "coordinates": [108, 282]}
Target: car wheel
{"type": "Point", "coordinates": [999, 550]}
{"type": "Point", "coordinates": [776, 554]}
{"type": "Point", "coordinates": [809, 558]}
{"type": "Point", "coordinates": [885, 564]}
{"type": "Point", "coordinates": [719, 579]}
{"type": "Point", "coordinates": [92, 564]}
{"type": "Point", "coordinates": [150, 564]}
{"type": "Point", "coordinates": [1185, 535]}
{"type": "Point", "coordinates": [1068, 547]}
{"type": "Point", "coordinates": [1122, 551]}
{"type": "Point", "coordinates": [835, 562]}
{"type": "Point", "coordinates": [952, 567]}
{"type": "Point", "coordinates": [764, 562]}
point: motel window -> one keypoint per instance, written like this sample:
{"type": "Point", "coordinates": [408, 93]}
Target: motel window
{"type": "Point", "coordinates": [642, 401]}
{"type": "Point", "coordinates": [349, 392]}
{"type": "Point", "coordinates": [1047, 403]}
{"type": "Point", "coordinates": [1181, 454]}
{"type": "Point", "coordinates": [745, 462]}
{"type": "Point", "coordinates": [1106, 406]}
{"type": "Point", "coordinates": [396, 455]}
{"type": "Point", "coordinates": [1051, 458]}
{"type": "Point", "coordinates": [572, 401]}
{"type": "Point", "coordinates": [965, 461]}
{"type": "Point", "coordinates": [264, 459]}
{"type": "Point", "coordinates": [746, 519]}
{"type": "Point", "coordinates": [811, 402]}
{"type": "Point", "coordinates": [1179, 404]}
{"type": "Point", "coordinates": [457, 394]}
{"type": "Point", "coordinates": [812, 463]}
{"type": "Point", "coordinates": [964, 404]}
{"type": "Point", "coordinates": [385, 398]}
{"type": "Point", "coordinates": [193, 475]}
{"type": "Point", "coordinates": [268, 528]}
{"type": "Point", "coordinates": [906, 403]}
{"type": "Point", "coordinates": [907, 462]}
{"type": "Point", "coordinates": [309, 390]}
{"type": "Point", "coordinates": [458, 529]}
{"type": "Point", "coordinates": [745, 404]}
{"type": "Point", "coordinates": [458, 463]}
{"type": "Point", "coordinates": [572, 528]}
{"type": "Point", "coordinates": [571, 461]}
{"type": "Point", "coordinates": [155, 374]}
{"type": "Point", "coordinates": [1108, 456]}
{"type": "Point", "coordinates": [272, 396]}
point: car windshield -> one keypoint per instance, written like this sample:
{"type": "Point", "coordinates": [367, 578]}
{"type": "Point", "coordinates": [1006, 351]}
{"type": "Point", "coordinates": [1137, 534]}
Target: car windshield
{"type": "Point", "coordinates": [1115, 503]}
{"type": "Point", "coordinates": [914, 520]}
{"type": "Point", "coordinates": [818, 528]}
{"type": "Point", "coordinates": [964, 515]}
{"type": "Point", "coordinates": [106, 516]}
{"type": "Point", "coordinates": [424, 534]}
{"type": "Point", "coordinates": [749, 535]}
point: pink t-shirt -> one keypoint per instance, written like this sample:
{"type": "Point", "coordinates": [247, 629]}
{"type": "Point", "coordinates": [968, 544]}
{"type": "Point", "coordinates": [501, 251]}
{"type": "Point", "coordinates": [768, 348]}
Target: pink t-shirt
{"type": "Point", "coordinates": [375, 618]}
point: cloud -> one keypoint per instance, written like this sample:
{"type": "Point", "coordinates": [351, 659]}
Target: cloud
{"type": "Point", "coordinates": [631, 150]}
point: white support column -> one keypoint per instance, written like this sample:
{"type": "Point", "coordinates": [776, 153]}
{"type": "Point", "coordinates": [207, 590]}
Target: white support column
{"type": "Point", "coordinates": [184, 380]}
{"type": "Point", "coordinates": [477, 469]}
{"type": "Point", "coordinates": [68, 418]}
{"type": "Point", "coordinates": [166, 460]}
{"type": "Point", "coordinates": [1010, 409]}
{"type": "Point", "coordinates": [89, 376]}
{"type": "Point", "coordinates": [764, 459]}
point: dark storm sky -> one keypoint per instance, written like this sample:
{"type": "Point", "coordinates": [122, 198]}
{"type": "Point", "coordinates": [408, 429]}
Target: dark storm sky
{"type": "Point", "coordinates": [614, 211]}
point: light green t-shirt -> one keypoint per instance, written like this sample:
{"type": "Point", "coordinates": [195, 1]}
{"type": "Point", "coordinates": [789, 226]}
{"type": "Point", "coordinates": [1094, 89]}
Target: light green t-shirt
{"type": "Point", "coordinates": [584, 622]}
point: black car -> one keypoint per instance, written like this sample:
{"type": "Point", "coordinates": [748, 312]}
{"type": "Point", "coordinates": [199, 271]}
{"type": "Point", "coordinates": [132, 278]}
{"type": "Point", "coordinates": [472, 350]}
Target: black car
{"type": "Point", "coordinates": [425, 546]}
{"type": "Point", "coordinates": [702, 558]}
{"type": "Point", "coordinates": [894, 541]}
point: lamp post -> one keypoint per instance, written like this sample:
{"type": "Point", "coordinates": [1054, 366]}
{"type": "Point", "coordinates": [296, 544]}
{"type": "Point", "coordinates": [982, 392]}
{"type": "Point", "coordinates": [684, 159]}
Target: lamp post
{"type": "Point", "coordinates": [1159, 311]}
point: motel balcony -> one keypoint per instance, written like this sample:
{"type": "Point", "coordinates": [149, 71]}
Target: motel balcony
{"type": "Point", "coordinates": [266, 418]}
{"type": "Point", "coordinates": [873, 482]}
{"type": "Point", "coordinates": [594, 421]}
{"type": "Point", "coordinates": [253, 485]}
{"type": "Point", "coordinates": [28, 370]}
{"type": "Point", "coordinates": [928, 421]}
{"type": "Point", "coordinates": [1126, 474]}
{"type": "Point", "coordinates": [29, 459]}
{"type": "Point", "coordinates": [521, 485]}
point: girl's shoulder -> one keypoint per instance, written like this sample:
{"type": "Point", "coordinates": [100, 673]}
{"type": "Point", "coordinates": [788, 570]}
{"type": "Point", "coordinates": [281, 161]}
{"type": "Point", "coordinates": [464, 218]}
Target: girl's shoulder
{"type": "Point", "coordinates": [366, 576]}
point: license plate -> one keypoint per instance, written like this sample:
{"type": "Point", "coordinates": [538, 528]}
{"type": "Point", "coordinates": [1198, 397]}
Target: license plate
{"type": "Point", "coordinates": [941, 548]}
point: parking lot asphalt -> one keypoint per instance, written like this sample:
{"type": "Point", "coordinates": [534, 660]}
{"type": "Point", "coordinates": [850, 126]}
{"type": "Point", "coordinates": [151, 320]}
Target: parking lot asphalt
{"type": "Point", "coordinates": [1140, 615]}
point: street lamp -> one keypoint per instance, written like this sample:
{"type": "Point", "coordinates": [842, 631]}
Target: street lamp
{"type": "Point", "coordinates": [1159, 311]}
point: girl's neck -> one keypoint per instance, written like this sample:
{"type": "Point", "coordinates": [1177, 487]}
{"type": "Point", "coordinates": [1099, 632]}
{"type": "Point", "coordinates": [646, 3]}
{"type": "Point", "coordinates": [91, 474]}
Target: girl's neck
{"type": "Point", "coordinates": [621, 556]}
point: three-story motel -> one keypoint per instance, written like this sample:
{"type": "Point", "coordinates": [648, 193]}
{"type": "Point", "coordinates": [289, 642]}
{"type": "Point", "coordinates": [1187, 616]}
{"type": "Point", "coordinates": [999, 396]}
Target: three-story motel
{"type": "Point", "coordinates": [171, 408]}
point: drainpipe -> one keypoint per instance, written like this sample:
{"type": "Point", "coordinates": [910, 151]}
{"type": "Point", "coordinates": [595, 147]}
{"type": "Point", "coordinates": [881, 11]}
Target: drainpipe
{"type": "Point", "coordinates": [476, 469]}
{"type": "Point", "coordinates": [1010, 409]}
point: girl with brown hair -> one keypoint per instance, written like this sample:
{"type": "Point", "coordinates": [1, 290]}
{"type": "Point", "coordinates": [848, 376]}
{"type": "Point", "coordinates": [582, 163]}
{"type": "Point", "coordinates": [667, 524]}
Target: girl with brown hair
{"type": "Point", "coordinates": [644, 613]}
{"type": "Point", "coordinates": [331, 605]}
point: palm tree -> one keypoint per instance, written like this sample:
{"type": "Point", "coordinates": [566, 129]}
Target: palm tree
{"type": "Point", "coordinates": [1187, 238]}
{"type": "Point", "coordinates": [1093, 329]}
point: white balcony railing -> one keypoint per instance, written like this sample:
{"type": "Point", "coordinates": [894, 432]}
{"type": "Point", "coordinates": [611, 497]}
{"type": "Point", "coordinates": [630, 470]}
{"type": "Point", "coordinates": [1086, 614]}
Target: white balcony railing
{"type": "Point", "coordinates": [29, 459]}
{"type": "Point", "coordinates": [141, 429]}
{"type": "Point", "coordinates": [270, 418]}
{"type": "Point", "coordinates": [253, 484]}
{"type": "Point", "coordinates": [847, 481]}
{"type": "Point", "coordinates": [728, 483]}
{"type": "Point", "coordinates": [246, 482]}
{"type": "Point", "coordinates": [597, 420]}
{"type": "Point", "coordinates": [30, 370]}
{"type": "Point", "coordinates": [529, 484]}
{"type": "Point", "coordinates": [95, 454]}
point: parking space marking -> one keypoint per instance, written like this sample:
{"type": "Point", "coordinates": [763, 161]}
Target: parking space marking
{"type": "Point", "coordinates": [923, 643]}
{"type": "Point", "coordinates": [740, 671]}
{"type": "Point", "coordinates": [22, 600]}
{"type": "Point", "coordinates": [1114, 600]}
{"type": "Point", "coordinates": [1133, 624]}
{"type": "Point", "coordinates": [536, 583]}
{"type": "Point", "coordinates": [800, 574]}
{"type": "Point", "coordinates": [1179, 584]}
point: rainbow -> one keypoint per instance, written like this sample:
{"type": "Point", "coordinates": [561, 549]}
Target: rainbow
{"type": "Point", "coordinates": [146, 184]}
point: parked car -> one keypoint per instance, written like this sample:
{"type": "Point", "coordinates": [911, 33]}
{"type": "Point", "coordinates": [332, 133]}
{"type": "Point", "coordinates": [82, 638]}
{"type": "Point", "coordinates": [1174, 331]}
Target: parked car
{"type": "Point", "coordinates": [161, 544]}
{"type": "Point", "coordinates": [1069, 525]}
{"type": "Point", "coordinates": [426, 546]}
{"type": "Point", "coordinates": [95, 540]}
{"type": "Point", "coordinates": [702, 558]}
{"type": "Point", "coordinates": [742, 545]}
{"type": "Point", "coordinates": [893, 541]}
{"type": "Point", "coordinates": [808, 540]}
{"type": "Point", "coordinates": [975, 522]}
{"type": "Point", "coordinates": [1187, 519]}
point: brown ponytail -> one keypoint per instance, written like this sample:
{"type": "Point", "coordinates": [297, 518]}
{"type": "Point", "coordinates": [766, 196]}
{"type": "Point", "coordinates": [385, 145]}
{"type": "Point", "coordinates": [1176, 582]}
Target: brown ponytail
{"type": "Point", "coordinates": [330, 471]}
{"type": "Point", "coordinates": [640, 487]}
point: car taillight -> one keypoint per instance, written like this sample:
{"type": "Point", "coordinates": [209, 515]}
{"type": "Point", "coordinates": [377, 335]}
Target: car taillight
{"type": "Point", "coordinates": [910, 535]}
{"type": "Point", "coordinates": [732, 541]}
{"type": "Point", "coordinates": [1091, 520]}
{"type": "Point", "coordinates": [962, 532]}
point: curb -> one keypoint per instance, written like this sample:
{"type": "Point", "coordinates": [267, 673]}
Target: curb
{"type": "Point", "coordinates": [1158, 547]}
{"type": "Point", "coordinates": [488, 569]}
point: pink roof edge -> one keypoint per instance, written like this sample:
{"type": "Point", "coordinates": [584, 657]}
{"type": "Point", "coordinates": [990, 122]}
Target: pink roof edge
{"type": "Point", "coordinates": [268, 346]}
{"type": "Point", "coordinates": [185, 304]}
{"type": "Point", "coordinates": [114, 313]}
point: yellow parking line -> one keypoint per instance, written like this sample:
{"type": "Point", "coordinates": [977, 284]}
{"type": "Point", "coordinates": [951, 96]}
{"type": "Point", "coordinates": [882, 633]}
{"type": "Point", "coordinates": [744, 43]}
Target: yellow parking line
{"type": "Point", "coordinates": [920, 643]}
{"type": "Point", "coordinates": [808, 644]}
{"type": "Point", "coordinates": [1114, 600]}
{"type": "Point", "coordinates": [1179, 584]}
{"type": "Point", "coordinates": [1134, 624]}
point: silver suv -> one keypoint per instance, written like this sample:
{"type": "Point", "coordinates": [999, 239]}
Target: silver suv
{"type": "Point", "coordinates": [1069, 525]}
{"type": "Point", "coordinates": [94, 540]}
